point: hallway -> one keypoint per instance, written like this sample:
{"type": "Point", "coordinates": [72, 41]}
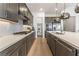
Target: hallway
{"type": "Point", "coordinates": [40, 48]}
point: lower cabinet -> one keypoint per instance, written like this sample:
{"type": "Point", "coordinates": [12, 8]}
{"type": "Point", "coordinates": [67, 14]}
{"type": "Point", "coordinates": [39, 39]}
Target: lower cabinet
{"type": "Point", "coordinates": [64, 50]}
{"type": "Point", "coordinates": [20, 51]}
{"type": "Point", "coordinates": [51, 43]}
{"type": "Point", "coordinates": [15, 53]}
{"type": "Point", "coordinates": [53, 47]}
{"type": "Point", "coordinates": [20, 48]}
{"type": "Point", "coordinates": [58, 47]}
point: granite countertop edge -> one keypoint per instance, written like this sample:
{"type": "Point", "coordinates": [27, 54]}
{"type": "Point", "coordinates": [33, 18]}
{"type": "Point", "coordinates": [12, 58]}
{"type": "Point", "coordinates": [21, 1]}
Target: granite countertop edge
{"type": "Point", "coordinates": [76, 46]}
{"type": "Point", "coordinates": [11, 39]}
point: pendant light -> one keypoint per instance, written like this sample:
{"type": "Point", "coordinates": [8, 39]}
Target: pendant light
{"type": "Point", "coordinates": [64, 14]}
{"type": "Point", "coordinates": [77, 8]}
{"type": "Point", "coordinates": [57, 18]}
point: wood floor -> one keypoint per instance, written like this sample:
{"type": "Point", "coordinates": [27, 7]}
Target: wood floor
{"type": "Point", "coordinates": [40, 48]}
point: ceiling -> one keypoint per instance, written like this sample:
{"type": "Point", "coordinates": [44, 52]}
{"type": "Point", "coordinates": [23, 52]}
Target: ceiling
{"type": "Point", "coordinates": [48, 8]}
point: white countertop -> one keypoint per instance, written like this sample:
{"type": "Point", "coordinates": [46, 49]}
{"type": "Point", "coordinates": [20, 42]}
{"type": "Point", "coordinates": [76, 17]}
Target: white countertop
{"type": "Point", "coordinates": [9, 40]}
{"type": "Point", "coordinates": [72, 38]}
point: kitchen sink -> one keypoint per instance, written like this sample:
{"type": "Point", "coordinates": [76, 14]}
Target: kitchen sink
{"type": "Point", "coordinates": [61, 33]}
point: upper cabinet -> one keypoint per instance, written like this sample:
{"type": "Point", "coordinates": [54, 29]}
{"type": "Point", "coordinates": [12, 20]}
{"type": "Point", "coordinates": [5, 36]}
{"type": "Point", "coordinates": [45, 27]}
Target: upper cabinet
{"type": "Point", "coordinates": [12, 11]}
{"type": "Point", "coordinates": [2, 10]}
{"type": "Point", "coordinates": [25, 14]}
{"type": "Point", "coordinates": [15, 11]}
{"type": "Point", "coordinates": [23, 10]}
{"type": "Point", "coordinates": [9, 11]}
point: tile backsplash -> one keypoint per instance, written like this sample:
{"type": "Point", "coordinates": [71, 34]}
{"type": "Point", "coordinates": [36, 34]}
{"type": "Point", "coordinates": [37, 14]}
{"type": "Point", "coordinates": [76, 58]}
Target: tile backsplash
{"type": "Point", "coordinates": [9, 28]}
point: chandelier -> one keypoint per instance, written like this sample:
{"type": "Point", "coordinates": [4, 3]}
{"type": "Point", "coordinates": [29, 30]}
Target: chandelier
{"type": "Point", "coordinates": [64, 14]}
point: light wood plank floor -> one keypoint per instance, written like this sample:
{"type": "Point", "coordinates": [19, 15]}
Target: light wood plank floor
{"type": "Point", "coordinates": [40, 48]}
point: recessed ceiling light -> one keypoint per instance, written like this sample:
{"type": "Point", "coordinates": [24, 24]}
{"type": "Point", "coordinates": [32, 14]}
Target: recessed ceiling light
{"type": "Point", "coordinates": [78, 4]}
{"type": "Point", "coordinates": [41, 9]}
{"type": "Point", "coordinates": [56, 9]}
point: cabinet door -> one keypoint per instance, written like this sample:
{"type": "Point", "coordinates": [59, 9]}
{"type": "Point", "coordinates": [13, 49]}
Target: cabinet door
{"type": "Point", "coordinates": [51, 43]}
{"type": "Point", "coordinates": [23, 9]}
{"type": "Point", "coordinates": [21, 50]}
{"type": "Point", "coordinates": [30, 21]}
{"type": "Point", "coordinates": [4, 10]}
{"type": "Point", "coordinates": [64, 50]}
{"type": "Point", "coordinates": [1, 10]}
{"type": "Point", "coordinates": [28, 44]}
{"type": "Point", "coordinates": [15, 53]}
{"type": "Point", "coordinates": [12, 11]}
{"type": "Point", "coordinates": [52, 46]}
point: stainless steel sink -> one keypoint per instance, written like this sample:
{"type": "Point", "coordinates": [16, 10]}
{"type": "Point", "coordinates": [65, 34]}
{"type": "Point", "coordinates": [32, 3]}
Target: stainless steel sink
{"type": "Point", "coordinates": [60, 33]}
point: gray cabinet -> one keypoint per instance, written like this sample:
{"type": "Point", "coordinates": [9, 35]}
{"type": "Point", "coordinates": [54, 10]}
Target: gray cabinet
{"type": "Point", "coordinates": [9, 11]}
{"type": "Point", "coordinates": [15, 53]}
{"type": "Point", "coordinates": [51, 43]}
{"type": "Point", "coordinates": [30, 16]}
{"type": "Point", "coordinates": [12, 11]}
{"type": "Point", "coordinates": [20, 48]}
{"type": "Point", "coordinates": [53, 46]}
{"type": "Point", "coordinates": [23, 9]}
{"type": "Point", "coordinates": [25, 14]}
{"type": "Point", "coordinates": [29, 42]}
{"type": "Point", "coordinates": [21, 51]}
{"type": "Point", "coordinates": [63, 49]}
{"type": "Point", "coordinates": [3, 10]}
{"type": "Point", "coordinates": [59, 47]}
{"type": "Point", "coordinates": [16, 11]}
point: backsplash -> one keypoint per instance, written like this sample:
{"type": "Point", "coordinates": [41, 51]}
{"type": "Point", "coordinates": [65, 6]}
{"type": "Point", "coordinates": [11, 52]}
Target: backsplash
{"type": "Point", "coordinates": [9, 28]}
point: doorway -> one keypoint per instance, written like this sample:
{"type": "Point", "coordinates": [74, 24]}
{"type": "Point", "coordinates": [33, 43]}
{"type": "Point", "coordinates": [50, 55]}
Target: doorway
{"type": "Point", "coordinates": [39, 30]}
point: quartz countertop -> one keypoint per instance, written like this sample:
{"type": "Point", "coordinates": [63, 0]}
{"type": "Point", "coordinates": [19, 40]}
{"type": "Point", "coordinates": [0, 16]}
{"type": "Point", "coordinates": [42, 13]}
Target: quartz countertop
{"type": "Point", "coordinates": [9, 40]}
{"type": "Point", "coordinates": [72, 38]}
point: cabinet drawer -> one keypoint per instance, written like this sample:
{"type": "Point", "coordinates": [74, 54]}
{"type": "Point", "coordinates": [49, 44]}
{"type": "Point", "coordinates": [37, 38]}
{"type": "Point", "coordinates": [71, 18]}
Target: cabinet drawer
{"type": "Point", "coordinates": [20, 48]}
{"type": "Point", "coordinates": [15, 53]}
{"type": "Point", "coordinates": [12, 48]}
{"type": "Point", "coordinates": [63, 49]}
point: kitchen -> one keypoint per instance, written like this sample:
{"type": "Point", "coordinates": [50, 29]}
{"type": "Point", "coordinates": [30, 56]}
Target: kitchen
{"type": "Point", "coordinates": [26, 27]}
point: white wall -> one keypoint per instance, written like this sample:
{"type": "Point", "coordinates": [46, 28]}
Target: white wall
{"type": "Point", "coordinates": [17, 27]}
{"type": "Point", "coordinates": [39, 17]}
{"type": "Point", "coordinates": [9, 28]}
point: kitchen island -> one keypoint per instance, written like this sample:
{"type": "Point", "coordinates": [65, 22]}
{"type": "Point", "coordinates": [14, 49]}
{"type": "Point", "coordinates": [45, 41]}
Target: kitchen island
{"type": "Point", "coordinates": [66, 44]}
{"type": "Point", "coordinates": [16, 45]}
